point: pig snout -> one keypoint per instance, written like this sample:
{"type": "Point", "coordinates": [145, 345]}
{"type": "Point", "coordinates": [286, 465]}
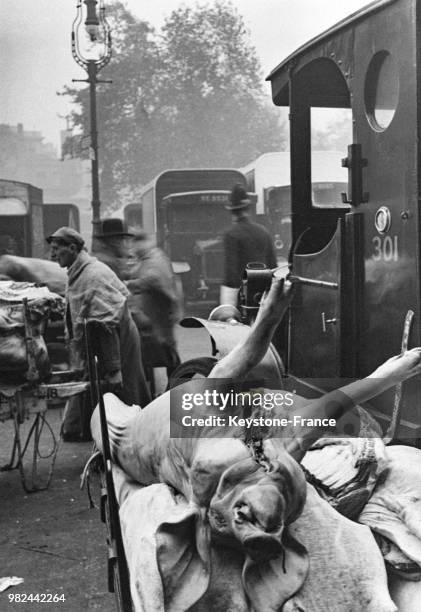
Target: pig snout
{"type": "Point", "coordinates": [260, 505]}
{"type": "Point", "coordinates": [253, 517]}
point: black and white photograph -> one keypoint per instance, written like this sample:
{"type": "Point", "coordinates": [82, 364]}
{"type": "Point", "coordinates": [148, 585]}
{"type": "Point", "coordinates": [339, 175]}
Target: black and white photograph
{"type": "Point", "coordinates": [210, 305]}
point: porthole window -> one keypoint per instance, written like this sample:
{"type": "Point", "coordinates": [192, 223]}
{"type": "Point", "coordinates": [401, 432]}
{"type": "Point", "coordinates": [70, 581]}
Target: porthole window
{"type": "Point", "coordinates": [381, 90]}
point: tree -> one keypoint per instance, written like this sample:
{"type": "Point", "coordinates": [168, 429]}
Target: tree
{"type": "Point", "coordinates": [189, 96]}
{"type": "Point", "coordinates": [334, 134]}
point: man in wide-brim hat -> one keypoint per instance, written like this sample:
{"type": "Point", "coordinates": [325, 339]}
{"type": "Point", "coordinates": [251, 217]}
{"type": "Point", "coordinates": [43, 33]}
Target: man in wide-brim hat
{"type": "Point", "coordinates": [112, 240]}
{"type": "Point", "coordinates": [244, 242]}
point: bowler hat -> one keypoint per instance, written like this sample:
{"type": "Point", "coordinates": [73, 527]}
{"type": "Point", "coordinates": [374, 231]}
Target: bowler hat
{"type": "Point", "coordinates": [67, 235]}
{"type": "Point", "coordinates": [112, 227]}
{"type": "Point", "coordinates": [238, 198]}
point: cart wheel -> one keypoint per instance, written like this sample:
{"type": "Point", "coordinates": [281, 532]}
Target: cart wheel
{"type": "Point", "coordinates": [193, 368]}
{"type": "Point", "coordinates": [35, 476]}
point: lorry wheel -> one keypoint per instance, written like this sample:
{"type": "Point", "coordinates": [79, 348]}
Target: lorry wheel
{"type": "Point", "coordinates": [199, 368]}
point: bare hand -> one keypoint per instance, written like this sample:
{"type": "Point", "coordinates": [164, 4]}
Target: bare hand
{"type": "Point", "coordinates": [400, 367]}
{"type": "Point", "coordinates": [277, 299]}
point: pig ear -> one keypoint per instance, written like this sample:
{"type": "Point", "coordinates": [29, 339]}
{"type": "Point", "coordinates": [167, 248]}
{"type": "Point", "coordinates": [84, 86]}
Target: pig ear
{"type": "Point", "coordinates": [269, 584]}
{"type": "Point", "coordinates": [183, 557]}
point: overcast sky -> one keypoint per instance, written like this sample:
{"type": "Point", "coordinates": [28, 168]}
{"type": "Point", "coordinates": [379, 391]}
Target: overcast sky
{"type": "Point", "coordinates": [36, 60]}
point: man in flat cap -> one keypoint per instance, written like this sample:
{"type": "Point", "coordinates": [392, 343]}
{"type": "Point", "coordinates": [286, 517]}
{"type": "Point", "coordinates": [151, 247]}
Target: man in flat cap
{"type": "Point", "coordinates": [96, 294]}
{"type": "Point", "coordinates": [244, 242]}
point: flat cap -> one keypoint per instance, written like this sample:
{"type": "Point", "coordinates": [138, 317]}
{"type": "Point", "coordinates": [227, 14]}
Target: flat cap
{"type": "Point", "coordinates": [67, 235]}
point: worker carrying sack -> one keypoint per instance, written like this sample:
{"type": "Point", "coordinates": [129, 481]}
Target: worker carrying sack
{"type": "Point", "coordinates": [25, 309]}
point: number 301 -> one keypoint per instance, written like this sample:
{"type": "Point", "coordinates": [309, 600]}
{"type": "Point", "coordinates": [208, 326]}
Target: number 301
{"type": "Point", "coordinates": [385, 248]}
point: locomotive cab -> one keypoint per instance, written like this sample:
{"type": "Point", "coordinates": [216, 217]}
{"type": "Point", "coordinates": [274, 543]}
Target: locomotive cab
{"type": "Point", "coordinates": [364, 246]}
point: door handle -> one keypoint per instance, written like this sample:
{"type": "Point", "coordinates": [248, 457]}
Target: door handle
{"type": "Point", "coordinates": [326, 322]}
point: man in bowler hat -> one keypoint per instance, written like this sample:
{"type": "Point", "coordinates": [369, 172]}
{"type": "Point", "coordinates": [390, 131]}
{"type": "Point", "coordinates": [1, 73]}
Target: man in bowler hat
{"type": "Point", "coordinates": [112, 241]}
{"type": "Point", "coordinates": [244, 242]}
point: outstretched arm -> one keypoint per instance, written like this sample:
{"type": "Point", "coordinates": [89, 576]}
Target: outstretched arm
{"type": "Point", "coordinates": [246, 355]}
{"type": "Point", "coordinates": [336, 403]}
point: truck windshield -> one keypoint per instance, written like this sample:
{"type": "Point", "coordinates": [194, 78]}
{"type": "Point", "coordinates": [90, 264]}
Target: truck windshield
{"type": "Point", "coordinates": [201, 219]}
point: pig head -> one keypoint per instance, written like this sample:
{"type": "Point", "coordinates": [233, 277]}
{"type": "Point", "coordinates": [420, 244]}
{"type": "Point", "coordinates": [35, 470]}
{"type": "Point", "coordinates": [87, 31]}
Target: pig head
{"type": "Point", "coordinates": [250, 510]}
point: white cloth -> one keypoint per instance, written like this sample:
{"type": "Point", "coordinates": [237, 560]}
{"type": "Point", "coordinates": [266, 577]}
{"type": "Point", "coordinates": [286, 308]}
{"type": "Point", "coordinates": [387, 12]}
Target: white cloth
{"type": "Point", "coordinates": [347, 572]}
{"type": "Point", "coordinates": [394, 509]}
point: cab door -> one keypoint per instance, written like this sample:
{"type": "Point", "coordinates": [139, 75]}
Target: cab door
{"type": "Point", "coordinates": [315, 315]}
{"type": "Point", "coordinates": [318, 92]}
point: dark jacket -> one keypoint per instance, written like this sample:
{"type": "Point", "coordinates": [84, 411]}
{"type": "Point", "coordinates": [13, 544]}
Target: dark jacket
{"type": "Point", "coordinates": [246, 242]}
{"type": "Point", "coordinates": [155, 303]}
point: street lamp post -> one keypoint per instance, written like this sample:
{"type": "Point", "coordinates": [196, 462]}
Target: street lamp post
{"type": "Point", "coordinates": [91, 49]}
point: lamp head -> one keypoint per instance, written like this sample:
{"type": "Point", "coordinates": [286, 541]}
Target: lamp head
{"type": "Point", "coordinates": [92, 21]}
{"type": "Point", "coordinates": [91, 35]}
